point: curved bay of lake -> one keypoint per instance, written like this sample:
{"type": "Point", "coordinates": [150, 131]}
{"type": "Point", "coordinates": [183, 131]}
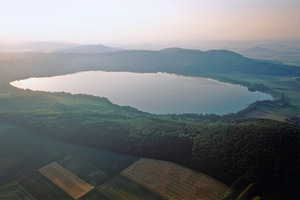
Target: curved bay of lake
{"type": "Point", "coordinates": [158, 93]}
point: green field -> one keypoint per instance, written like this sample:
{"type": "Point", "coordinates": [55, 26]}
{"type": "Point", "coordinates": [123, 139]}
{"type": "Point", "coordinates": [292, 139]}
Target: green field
{"type": "Point", "coordinates": [18, 153]}
{"type": "Point", "coordinates": [94, 195]}
{"type": "Point", "coordinates": [42, 188]}
{"type": "Point", "coordinates": [109, 163]}
{"type": "Point", "coordinates": [121, 188]}
{"type": "Point", "coordinates": [84, 170]}
{"type": "Point", "coordinates": [14, 190]}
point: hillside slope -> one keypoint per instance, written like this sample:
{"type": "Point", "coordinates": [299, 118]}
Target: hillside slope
{"type": "Point", "coordinates": [260, 151]}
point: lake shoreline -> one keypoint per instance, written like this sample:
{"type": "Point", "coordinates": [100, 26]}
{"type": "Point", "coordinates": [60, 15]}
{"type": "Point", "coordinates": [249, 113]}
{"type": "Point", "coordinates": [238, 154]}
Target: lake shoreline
{"type": "Point", "coordinates": [164, 88]}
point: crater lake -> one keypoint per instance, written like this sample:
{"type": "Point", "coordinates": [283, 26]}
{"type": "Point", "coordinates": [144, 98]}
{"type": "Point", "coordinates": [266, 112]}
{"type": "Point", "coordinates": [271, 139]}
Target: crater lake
{"type": "Point", "coordinates": [158, 93]}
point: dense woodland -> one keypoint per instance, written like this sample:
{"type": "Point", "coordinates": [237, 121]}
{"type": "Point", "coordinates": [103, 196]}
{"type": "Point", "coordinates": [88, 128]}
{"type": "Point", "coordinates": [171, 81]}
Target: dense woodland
{"type": "Point", "coordinates": [260, 151]}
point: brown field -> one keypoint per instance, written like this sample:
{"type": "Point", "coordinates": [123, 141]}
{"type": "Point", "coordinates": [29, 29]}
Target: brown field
{"type": "Point", "coordinates": [173, 181]}
{"type": "Point", "coordinates": [66, 180]}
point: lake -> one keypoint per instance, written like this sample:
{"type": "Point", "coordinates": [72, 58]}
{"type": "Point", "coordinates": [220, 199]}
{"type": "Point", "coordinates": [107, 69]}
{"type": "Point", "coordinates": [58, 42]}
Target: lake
{"type": "Point", "coordinates": [158, 93]}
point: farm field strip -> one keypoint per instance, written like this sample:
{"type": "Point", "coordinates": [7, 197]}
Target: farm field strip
{"type": "Point", "coordinates": [66, 180]}
{"type": "Point", "coordinates": [173, 181]}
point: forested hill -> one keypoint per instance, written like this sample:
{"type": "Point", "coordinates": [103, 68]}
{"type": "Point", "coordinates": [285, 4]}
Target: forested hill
{"type": "Point", "coordinates": [172, 60]}
{"type": "Point", "coordinates": [263, 152]}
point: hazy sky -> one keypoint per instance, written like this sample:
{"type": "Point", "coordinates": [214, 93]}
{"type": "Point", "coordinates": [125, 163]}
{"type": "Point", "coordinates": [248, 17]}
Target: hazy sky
{"type": "Point", "coordinates": [141, 21]}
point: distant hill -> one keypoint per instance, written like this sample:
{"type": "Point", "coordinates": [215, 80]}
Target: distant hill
{"type": "Point", "coordinates": [173, 60]}
{"type": "Point", "coordinates": [275, 52]}
{"type": "Point", "coordinates": [260, 52]}
{"type": "Point", "coordinates": [90, 49]}
{"type": "Point", "coordinates": [36, 47]}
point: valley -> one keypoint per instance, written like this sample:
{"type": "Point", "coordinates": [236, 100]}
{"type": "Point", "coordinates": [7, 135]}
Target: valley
{"type": "Point", "coordinates": [251, 146]}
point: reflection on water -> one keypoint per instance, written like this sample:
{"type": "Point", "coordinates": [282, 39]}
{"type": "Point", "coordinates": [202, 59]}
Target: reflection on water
{"type": "Point", "coordinates": [152, 92]}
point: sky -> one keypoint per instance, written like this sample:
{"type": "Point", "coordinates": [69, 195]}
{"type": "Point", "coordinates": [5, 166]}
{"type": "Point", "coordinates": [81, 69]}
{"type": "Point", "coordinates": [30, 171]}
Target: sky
{"type": "Point", "coordinates": [152, 21]}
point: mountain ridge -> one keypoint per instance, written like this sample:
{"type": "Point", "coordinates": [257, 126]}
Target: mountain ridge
{"type": "Point", "coordinates": [178, 61]}
{"type": "Point", "coordinates": [86, 49]}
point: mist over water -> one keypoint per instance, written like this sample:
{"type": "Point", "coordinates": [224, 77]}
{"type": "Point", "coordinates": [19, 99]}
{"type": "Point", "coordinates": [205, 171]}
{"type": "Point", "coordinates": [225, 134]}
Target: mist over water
{"type": "Point", "coordinates": [158, 93]}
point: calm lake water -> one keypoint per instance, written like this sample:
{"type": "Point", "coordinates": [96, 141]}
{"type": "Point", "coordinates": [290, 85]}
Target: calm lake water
{"type": "Point", "coordinates": [158, 93]}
